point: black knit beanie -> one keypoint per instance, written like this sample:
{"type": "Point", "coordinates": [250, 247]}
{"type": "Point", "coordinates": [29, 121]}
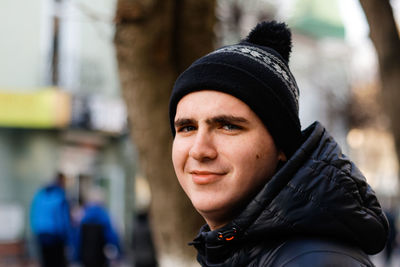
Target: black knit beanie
{"type": "Point", "coordinates": [255, 71]}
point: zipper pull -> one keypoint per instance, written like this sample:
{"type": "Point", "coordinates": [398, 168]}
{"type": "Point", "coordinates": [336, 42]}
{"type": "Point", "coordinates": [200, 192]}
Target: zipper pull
{"type": "Point", "coordinates": [228, 235]}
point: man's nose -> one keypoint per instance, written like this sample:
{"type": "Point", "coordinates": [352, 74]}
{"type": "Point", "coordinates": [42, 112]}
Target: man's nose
{"type": "Point", "coordinates": [203, 148]}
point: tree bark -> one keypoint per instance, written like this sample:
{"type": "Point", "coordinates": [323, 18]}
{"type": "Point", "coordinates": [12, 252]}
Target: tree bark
{"type": "Point", "coordinates": [155, 40]}
{"type": "Point", "coordinates": [385, 37]}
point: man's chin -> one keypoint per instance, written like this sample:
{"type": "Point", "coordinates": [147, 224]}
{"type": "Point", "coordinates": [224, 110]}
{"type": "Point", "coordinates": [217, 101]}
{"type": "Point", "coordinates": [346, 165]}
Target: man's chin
{"type": "Point", "coordinates": [214, 215]}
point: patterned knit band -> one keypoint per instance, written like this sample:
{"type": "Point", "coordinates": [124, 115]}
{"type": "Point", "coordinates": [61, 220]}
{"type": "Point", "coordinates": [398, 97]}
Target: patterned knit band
{"type": "Point", "coordinates": [269, 61]}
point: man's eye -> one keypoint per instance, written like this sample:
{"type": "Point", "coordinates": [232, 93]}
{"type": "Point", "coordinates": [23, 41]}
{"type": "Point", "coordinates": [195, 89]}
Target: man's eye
{"type": "Point", "coordinates": [230, 127]}
{"type": "Point", "coordinates": [186, 129]}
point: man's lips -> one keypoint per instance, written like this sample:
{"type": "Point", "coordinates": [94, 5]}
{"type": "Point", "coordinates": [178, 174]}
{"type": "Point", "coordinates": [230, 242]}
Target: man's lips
{"type": "Point", "coordinates": [205, 177]}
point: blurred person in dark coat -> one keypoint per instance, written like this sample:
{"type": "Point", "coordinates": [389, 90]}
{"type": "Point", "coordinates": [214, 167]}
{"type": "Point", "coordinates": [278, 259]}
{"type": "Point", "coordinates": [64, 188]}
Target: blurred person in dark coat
{"type": "Point", "coordinates": [98, 241]}
{"type": "Point", "coordinates": [144, 254]}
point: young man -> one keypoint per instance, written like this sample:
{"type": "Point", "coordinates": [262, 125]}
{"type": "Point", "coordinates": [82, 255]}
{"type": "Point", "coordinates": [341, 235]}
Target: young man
{"type": "Point", "coordinates": [270, 194]}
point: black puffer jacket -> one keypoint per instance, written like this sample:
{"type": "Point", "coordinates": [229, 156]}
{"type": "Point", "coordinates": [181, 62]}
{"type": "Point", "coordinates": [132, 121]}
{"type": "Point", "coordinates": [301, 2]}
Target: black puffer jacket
{"type": "Point", "coordinates": [317, 210]}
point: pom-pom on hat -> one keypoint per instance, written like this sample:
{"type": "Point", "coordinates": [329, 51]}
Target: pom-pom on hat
{"type": "Point", "coordinates": [255, 71]}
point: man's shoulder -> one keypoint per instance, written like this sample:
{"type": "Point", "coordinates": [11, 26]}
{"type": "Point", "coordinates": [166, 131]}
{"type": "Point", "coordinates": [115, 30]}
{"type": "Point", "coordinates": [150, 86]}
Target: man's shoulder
{"type": "Point", "coordinates": [315, 252]}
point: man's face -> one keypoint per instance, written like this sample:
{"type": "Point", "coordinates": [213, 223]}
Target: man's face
{"type": "Point", "coordinates": [222, 154]}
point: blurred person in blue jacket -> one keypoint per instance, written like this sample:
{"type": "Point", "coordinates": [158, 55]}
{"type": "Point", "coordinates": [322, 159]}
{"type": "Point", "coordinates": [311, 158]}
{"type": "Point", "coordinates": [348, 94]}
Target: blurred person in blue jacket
{"type": "Point", "coordinates": [98, 242]}
{"type": "Point", "coordinates": [50, 222]}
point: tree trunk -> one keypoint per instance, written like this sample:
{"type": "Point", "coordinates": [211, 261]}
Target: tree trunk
{"type": "Point", "coordinates": [385, 37]}
{"type": "Point", "coordinates": [155, 40]}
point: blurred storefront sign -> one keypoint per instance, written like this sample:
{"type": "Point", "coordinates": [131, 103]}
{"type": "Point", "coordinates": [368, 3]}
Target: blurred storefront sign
{"type": "Point", "coordinates": [102, 114]}
{"type": "Point", "coordinates": [44, 108]}
{"type": "Point", "coordinates": [107, 115]}
{"type": "Point", "coordinates": [52, 108]}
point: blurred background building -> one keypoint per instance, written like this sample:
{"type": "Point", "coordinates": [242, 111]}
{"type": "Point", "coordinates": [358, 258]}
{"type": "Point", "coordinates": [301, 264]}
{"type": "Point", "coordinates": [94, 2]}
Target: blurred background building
{"type": "Point", "coordinates": [60, 110]}
{"type": "Point", "coordinates": [61, 107]}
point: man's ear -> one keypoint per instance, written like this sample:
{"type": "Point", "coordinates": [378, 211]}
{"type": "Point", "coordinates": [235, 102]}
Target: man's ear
{"type": "Point", "coordinates": [281, 156]}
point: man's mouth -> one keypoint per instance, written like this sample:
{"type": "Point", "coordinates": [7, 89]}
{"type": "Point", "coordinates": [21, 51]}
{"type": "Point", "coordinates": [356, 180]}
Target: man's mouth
{"type": "Point", "coordinates": [205, 177]}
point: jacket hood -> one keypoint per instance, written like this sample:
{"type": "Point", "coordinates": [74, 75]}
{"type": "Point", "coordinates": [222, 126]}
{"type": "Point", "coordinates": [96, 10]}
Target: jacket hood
{"type": "Point", "coordinates": [319, 192]}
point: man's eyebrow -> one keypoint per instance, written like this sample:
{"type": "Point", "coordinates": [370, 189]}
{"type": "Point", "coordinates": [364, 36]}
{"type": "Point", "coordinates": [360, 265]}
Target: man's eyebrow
{"type": "Point", "coordinates": [227, 119]}
{"type": "Point", "coordinates": [183, 121]}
